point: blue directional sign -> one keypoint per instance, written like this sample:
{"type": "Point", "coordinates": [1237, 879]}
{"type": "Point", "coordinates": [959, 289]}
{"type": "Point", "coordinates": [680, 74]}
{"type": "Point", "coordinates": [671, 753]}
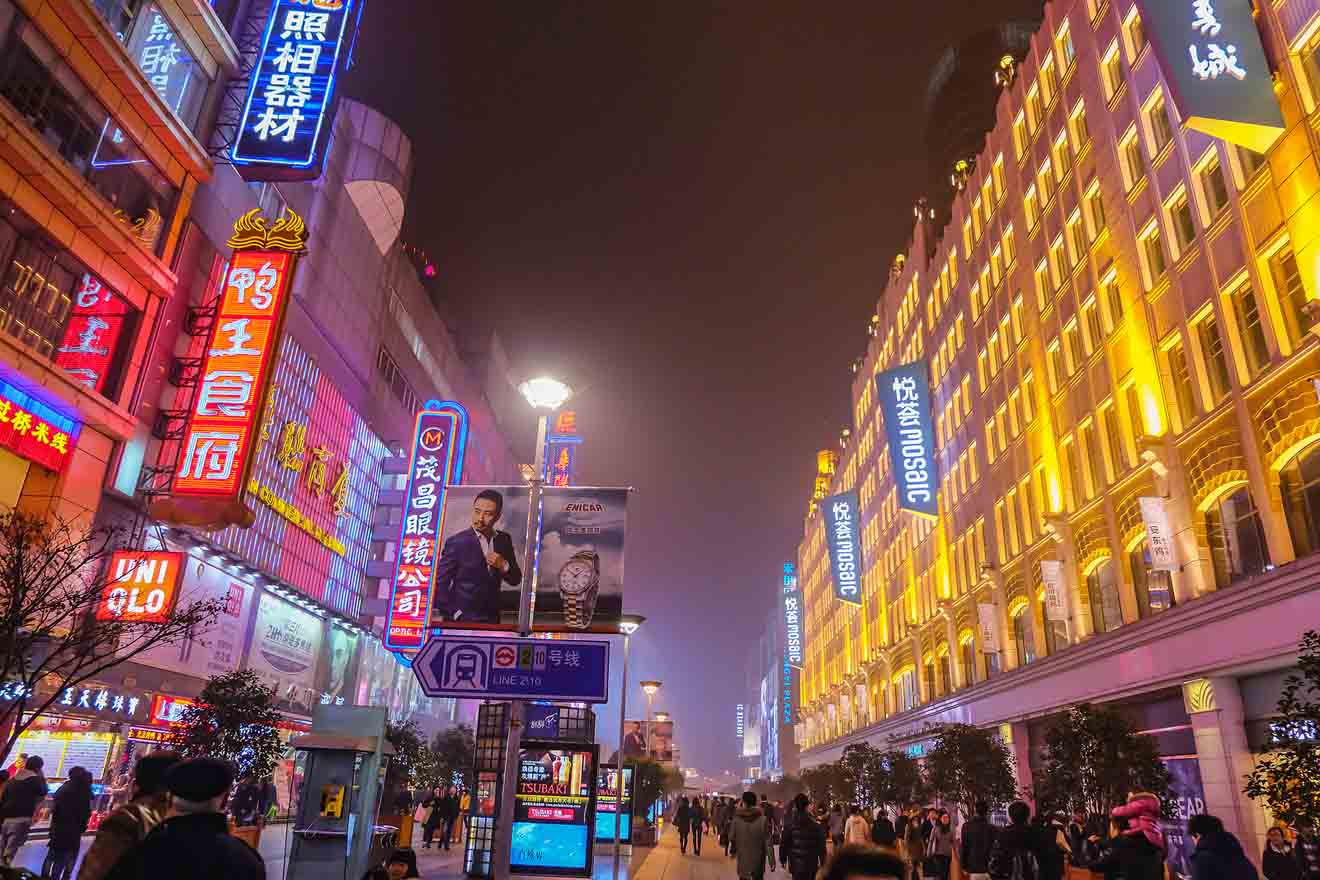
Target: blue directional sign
{"type": "Point", "coordinates": [516, 669]}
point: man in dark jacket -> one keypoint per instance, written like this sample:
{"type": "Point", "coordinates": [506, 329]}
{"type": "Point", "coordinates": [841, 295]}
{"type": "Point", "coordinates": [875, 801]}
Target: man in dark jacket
{"type": "Point", "coordinates": [860, 862]}
{"type": "Point", "coordinates": [448, 810]}
{"type": "Point", "coordinates": [802, 845]}
{"type": "Point", "coordinates": [129, 824]}
{"type": "Point", "coordinates": [1016, 853]}
{"type": "Point", "coordinates": [1307, 847]}
{"type": "Point", "coordinates": [196, 833]}
{"type": "Point", "coordinates": [23, 794]}
{"type": "Point", "coordinates": [696, 824]}
{"type": "Point", "coordinates": [978, 838]}
{"type": "Point", "coordinates": [1132, 857]}
{"type": "Point", "coordinates": [1218, 854]}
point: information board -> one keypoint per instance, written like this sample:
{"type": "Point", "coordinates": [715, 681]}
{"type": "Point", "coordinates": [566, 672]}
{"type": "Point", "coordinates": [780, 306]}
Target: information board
{"type": "Point", "coordinates": [607, 803]}
{"type": "Point", "coordinates": [554, 808]}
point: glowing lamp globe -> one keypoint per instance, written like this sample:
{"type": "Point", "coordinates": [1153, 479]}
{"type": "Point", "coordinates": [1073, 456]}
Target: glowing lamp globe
{"type": "Point", "coordinates": [544, 392]}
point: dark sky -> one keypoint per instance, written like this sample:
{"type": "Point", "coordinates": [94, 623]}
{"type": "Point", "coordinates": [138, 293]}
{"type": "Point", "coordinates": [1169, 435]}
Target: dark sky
{"type": "Point", "coordinates": [688, 210]}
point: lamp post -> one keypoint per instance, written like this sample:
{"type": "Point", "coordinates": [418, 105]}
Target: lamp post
{"type": "Point", "coordinates": [650, 688]}
{"type": "Point", "coordinates": [628, 624]}
{"type": "Point", "coordinates": [545, 395]}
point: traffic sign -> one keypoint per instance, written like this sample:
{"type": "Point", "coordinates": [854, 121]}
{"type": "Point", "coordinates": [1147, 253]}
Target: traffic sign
{"type": "Point", "coordinates": [517, 669]}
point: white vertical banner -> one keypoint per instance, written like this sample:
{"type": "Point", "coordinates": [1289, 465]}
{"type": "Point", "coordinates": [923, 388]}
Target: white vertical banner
{"type": "Point", "coordinates": [988, 620]}
{"type": "Point", "coordinates": [1159, 534]}
{"type": "Point", "coordinates": [1056, 603]}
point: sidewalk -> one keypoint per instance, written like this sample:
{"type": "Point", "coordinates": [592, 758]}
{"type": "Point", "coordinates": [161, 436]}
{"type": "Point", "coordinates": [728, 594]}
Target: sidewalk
{"type": "Point", "coordinates": [665, 862]}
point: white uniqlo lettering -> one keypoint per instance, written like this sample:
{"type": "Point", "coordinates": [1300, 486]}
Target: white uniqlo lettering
{"type": "Point", "coordinates": [210, 455]}
{"type": "Point", "coordinates": [132, 601]}
{"type": "Point", "coordinates": [225, 393]}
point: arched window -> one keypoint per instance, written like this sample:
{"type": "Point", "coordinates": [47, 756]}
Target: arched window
{"type": "Point", "coordinates": [1102, 594]}
{"type": "Point", "coordinates": [1300, 486]}
{"type": "Point", "coordinates": [945, 671]}
{"type": "Point", "coordinates": [932, 689]}
{"type": "Point", "coordinates": [1154, 588]}
{"type": "Point", "coordinates": [1056, 631]}
{"type": "Point", "coordinates": [968, 656]}
{"type": "Point", "coordinates": [1237, 539]}
{"type": "Point", "coordinates": [1022, 635]}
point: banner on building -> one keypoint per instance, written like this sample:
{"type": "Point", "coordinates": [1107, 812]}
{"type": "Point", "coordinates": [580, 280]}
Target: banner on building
{"type": "Point", "coordinates": [579, 582]}
{"type": "Point", "coordinates": [661, 746]}
{"type": "Point", "coordinates": [1188, 795]}
{"type": "Point", "coordinates": [1159, 534]}
{"type": "Point", "coordinates": [987, 618]}
{"type": "Point", "coordinates": [1056, 599]}
{"type": "Point", "coordinates": [286, 646]}
{"type": "Point", "coordinates": [904, 396]}
{"type": "Point", "coordinates": [482, 558]}
{"type": "Point", "coordinates": [634, 738]}
{"type": "Point", "coordinates": [289, 111]}
{"type": "Point", "coordinates": [439, 442]}
{"type": "Point", "coordinates": [1212, 57]}
{"type": "Point", "coordinates": [791, 601]}
{"type": "Point", "coordinates": [843, 535]}
{"type": "Point", "coordinates": [233, 378]}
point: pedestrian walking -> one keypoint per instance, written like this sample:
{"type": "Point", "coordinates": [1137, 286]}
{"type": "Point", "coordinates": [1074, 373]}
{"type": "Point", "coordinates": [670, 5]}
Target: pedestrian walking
{"type": "Point", "coordinates": [939, 848]}
{"type": "Point", "coordinates": [24, 792]}
{"type": "Point", "coordinates": [1218, 854]}
{"type": "Point", "coordinates": [423, 813]}
{"type": "Point", "coordinates": [68, 821]}
{"type": "Point", "coordinates": [836, 823]}
{"type": "Point", "coordinates": [250, 802]}
{"type": "Point", "coordinates": [433, 817]}
{"type": "Point", "coordinates": [1142, 812]}
{"type": "Point", "coordinates": [750, 838]}
{"type": "Point", "coordinates": [696, 825]}
{"type": "Point", "coordinates": [464, 804]}
{"type": "Point", "coordinates": [1131, 856]}
{"type": "Point", "coordinates": [802, 843]}
{"type": "Point", "coordinates": [856, 829]}
{"type": "Point", "coordinates": [128, 825]}
{"type": "Point", "coordinates": [1075, 833]}
{"type": "Point", "coordinates": [1016, 851]}
{"type": "Point", "coordinates": [978, 839]}
{"type": "Point", "coordinates": [196, 833]}
{"type": "Point", "coordinates": [449, 809]}
{"type": "Point", "coordinates": [883, 834]}
{"type": "Point", "coordinates": [1279, 861]}
{"type": "Point", "coordinates": [681, 823]}
{"type": "Point", "coordinates": [862, 862]}
{"type": "Point", "coordinates": [1307, 846]}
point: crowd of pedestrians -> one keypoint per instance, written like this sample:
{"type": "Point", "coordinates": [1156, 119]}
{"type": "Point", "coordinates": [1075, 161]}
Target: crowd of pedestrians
{"type": "Point", "coordinates": [837, 842]}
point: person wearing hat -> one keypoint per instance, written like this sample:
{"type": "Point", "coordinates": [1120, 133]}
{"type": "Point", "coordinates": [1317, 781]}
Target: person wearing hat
{"type": "Point", "coordinates": [194, 841]}
{"type": "Point", "coordinates": [128, 825]}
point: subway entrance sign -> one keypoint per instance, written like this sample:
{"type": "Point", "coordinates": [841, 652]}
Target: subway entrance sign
{"type": "Point", "coordinates": [514, 669]}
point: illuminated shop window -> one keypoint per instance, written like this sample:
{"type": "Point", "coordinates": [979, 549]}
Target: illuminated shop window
{"type": "Point", "coordinates": [1102, 595]}
{"type": "Point", "coordinates": [1111, 68]}
{"type": "Point", "coordinates": [1023, 639]}
{"type": "Point", "coordinates": [1237, 538]}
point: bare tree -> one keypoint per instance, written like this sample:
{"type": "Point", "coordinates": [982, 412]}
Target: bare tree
{"type": "Point", "coordinates": [53, 576]}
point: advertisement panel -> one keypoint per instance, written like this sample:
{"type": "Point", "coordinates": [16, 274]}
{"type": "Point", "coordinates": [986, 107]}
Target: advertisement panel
{"type": "Point", "coordinates": [220, 648]}
{"type": "Point", "coordinates": [439, 442]}
{"type": "Point", "coordinates": [1213, 59]}
{"type": "Point", "coordinates": [561, 449]}
{"type": "Point", "coordinates": [662, 741]}
{"type": "Point", "coordinates": [1188, 796]}
{"type": "Point", "coordinates": [634, 739]}
{"type": "Point", "coordinates": [792, 608]}
{"type": "Point", "coordinates": [141, 586]}
{"type": "Point", "coordinates": [35, 425]}
{"type": "Point", "coordinates": [315, 479]}
{"type": "Point", "coordinates": [291, 97]}
{"type": "Point", "coordinates": [483, 550]}
{"type": "Point", "coordinates": [1056, 602]}
{"type": "Point", "coordinates": [843, 516]}
{"type": "Point", "coordinates": [580, 564]}
{"type": "Point", "coordinates": [987, 620]}
{"type": "Point", "coordinates": [608, 803]}
{"type": "Point", "coordinates": [286, 645]}
{"type": "Point", "coordinates": [1159, 534]}
{"type": "Point", "coordinates": [553, 809]}
{"type": "Point", "coordinates": [904, 398]}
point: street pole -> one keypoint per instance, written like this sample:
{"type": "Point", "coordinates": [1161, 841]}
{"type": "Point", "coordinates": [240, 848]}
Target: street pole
{"type": "Point", "coordinates": [502, 857]}
{"type": "Point", "coordinates": [618, 764]}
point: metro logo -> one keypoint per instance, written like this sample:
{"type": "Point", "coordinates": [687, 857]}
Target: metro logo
{"type": "Point", "coordinates": [142, 587]}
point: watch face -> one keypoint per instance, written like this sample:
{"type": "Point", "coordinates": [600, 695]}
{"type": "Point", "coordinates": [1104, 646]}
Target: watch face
{"type": "Point", "coordinates": [577, 577]}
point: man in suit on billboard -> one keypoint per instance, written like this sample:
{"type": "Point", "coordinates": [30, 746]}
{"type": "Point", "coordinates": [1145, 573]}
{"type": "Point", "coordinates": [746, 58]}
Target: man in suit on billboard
{"type": "Point", "coordinates": [474, 563]}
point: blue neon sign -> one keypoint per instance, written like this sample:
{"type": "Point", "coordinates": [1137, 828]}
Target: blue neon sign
{"type": "Point", "coordinates": [290, 98]}
{"type": "Point", "coordinates": [843, 517]}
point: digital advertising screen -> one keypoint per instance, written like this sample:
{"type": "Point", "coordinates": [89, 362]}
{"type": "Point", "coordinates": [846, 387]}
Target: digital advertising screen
{"type": "Point", "coordinates": [552, 817]}
{"type": "Point", "coordinates": [607, 803]}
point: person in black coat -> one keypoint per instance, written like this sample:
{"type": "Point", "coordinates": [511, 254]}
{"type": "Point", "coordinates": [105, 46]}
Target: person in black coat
{"type": "Point", "coordinates": [1218, 854]}
{"type": "Point", "coordinates": [1130, 856]}
{"type": "Point", "coordinates": [195, 839]}
{"type": "Point", "coordinates": [978, 838]}
{"type": "Point", "coordinates": [1279, 861]}
{"type": "Point", "coordinates": [802, 844]}
{"type": "Point", "coordinates": [68, 821]}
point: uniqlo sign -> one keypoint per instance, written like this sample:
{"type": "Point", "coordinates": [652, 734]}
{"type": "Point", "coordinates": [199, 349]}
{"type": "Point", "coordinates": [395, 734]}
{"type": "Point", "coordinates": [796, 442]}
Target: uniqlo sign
{"type": "Point", "coordinates": [235, 373]}
{"type": "Point", "coordinates": [437, 460]}
{"type": "Point", "coordinates": [141, 587]}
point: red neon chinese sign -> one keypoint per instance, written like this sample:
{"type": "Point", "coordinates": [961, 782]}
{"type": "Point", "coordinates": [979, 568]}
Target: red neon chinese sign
{"type": "Point", "coordinates": [168, 711]}
{"type": "Point", "coordinates": [34, 426]}
{"type": "Point", "coordinates": [92, 338]}
{"type": "Point", "coordinates": [439, 440]}
{"type": "Point", "coordinates": [142, 586]}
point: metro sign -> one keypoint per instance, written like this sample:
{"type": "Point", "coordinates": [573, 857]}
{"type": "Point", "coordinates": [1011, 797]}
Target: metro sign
{"type": "Point", "coordinates": [142, 587]}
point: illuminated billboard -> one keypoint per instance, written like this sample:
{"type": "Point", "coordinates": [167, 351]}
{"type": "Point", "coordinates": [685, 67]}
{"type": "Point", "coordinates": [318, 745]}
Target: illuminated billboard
{"type": "Point", "coordinates": [553, 809]}
{"type": "Point", "coordinates": [904, 397]}
{"type": "Point", "coordinates": [142, 586]}
{"type": "Point", "coordinates": [34, 424]}
{"type": "Point", "coordinates": [608, 804]}
{"type": "Point", "coordinates": [791, 601]}
{"type": "Point", "coordinates": [843, 536]}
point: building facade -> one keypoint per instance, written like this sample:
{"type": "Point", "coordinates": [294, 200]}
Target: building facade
{"type": "Point", "coordinates": [1118, 316]}
{"type": "Point", "coordinates": [118, 204]}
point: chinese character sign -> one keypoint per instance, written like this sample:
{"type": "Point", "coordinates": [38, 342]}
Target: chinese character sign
{"type": "Point", "coordinates": [1056, 602]}
{"type": "Point", "coordinates": [1212, 56]}
{"type": "Point", "coordinates": [290, 101]}
{"type": "Point", "coordinates": [792, 603]}
{"type": "Point", "coordinates": [483, 557]}
{"type": "Point", "coordinates": [34, 425]}
{"type": "Point", "coordinates": [1159, 534]}
{"type": "Point", "coordinates": [91, 340]}
{"type": "Point", "coordinates": [439, 440]}
{"type": "Point", "coordinates": [843, 518]}
{"type": "Point", "coordinates": [904, 394]}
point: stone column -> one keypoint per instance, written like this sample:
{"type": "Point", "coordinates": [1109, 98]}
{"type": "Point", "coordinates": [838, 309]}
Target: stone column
{"type": "Point", "coordinates": [956, 678]}
{"type": "Point", "coordinates": [1065, 551]}
{"type": "Point", "coordinates": [920, 672]}
{"type": "Point", "coordinates": [1019, 747]}
{"type": "Point", "coordinates": [1218, 723]}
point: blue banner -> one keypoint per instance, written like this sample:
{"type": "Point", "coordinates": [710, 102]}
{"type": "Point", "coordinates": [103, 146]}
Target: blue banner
{"type": "Point", "coordinates": [843, 535]}
{"type": "Point", "coordinates": [1188, 799]}
{"type": "Point", "coordinates": [290, 100]}
{"type": "Point", "coordinates": [519, 669]}
{"type": "Point", "coordinates": [793, 607]}
{"type": "Point", "coordinates": [904, 394]}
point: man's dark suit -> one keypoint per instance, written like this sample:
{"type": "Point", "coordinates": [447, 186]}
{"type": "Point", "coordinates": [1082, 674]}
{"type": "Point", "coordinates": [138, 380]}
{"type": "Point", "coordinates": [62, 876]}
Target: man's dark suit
{"type": "Point", "coordinates": [465, 583]}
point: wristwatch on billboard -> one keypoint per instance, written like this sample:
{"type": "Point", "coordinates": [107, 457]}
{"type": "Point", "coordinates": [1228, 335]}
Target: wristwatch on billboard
{"type": "Point", "coordinates": [579, 584]}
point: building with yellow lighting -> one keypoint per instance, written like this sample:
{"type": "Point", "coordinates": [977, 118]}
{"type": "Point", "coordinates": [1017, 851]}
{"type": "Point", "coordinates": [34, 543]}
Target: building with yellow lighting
{"type": "Point", "coordinates": [1121, 308]}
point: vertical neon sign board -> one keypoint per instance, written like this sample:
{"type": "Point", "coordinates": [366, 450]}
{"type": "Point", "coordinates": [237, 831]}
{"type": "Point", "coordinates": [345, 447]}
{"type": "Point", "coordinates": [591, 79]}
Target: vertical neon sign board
{"type": "Point", "coordinates": [792, 601]}
{"type": "Point", "coordinates": [843, 517]}
{"type": "Point", "coordinates": [904, 394]}
{"type": "Point", "coordinates": [439, 441]}
{"type": "Point", "coordinates": [290, 100]}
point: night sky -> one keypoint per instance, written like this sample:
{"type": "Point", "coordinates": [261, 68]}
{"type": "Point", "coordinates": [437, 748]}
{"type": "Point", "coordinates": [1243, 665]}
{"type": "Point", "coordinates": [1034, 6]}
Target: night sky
{"type": "Point", "coordinates": [686, 210]}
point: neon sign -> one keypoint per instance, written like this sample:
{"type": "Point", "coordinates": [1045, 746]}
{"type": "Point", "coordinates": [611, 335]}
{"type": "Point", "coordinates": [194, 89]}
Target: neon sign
{"type": "Point", "coordinates": [143, 586]}
{"type": "Point", "coordinates": [561, 450]}
{"type": "Point", "coordinates": [92, 337]}
{"type": "Point", "coordinates": [792, 599]}
{"type": "Point", "coordinates": [439, 441]}
{"type": "Point", "coordinates": [904, 394]}
{"type": "Point", "coordinates": [290, 101]}
{"type": "Point", "coordinates": [219, 444]}
{"type": "Point", "coordinates": [34, 426]}
{"type": "Point", "coordinates": [842, 516]}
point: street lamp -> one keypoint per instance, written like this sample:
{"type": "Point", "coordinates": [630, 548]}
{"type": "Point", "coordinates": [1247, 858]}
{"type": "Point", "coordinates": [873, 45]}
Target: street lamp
{"type": "Point", "coordinates": [628, 624]}
{"type": "Point", "coordinates": [650, 688]}
{"type": "Point", "coordinates": [545, 395]}
{"type": "Point", "coordinates": [662, 716]}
